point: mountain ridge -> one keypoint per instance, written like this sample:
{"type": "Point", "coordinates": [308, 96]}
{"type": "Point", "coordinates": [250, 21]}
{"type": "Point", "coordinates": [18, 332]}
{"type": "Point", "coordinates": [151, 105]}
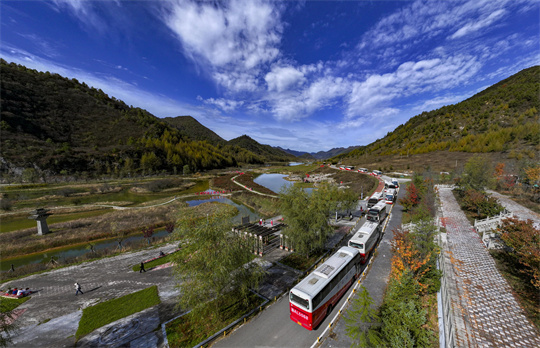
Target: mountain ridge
{"type": "Point", "coordinates": [502, 118]}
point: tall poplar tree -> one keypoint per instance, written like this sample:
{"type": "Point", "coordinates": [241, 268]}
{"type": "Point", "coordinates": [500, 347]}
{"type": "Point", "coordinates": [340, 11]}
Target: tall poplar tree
{"type": "Point", "coordinates": [307, 214]}
{"type": "Point", "coordinates": [213, 262]}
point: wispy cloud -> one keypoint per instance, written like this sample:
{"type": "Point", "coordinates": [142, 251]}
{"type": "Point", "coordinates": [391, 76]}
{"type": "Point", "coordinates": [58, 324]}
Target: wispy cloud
{"type": "Point", "coordinates": [377, 91]}
{"type": "Point", "coordinates": [230, 39]}
{"type": "Point", "coordinates": [85, 13]}
{"type": "Point", "coordinates": [224, 104]}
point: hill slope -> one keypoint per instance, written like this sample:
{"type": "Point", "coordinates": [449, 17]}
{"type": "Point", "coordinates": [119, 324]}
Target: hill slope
{"type": "Point", "coordinates": [267, 151]}
{"type": "Point", "coordinates": [53, 125]}
{"type": "Point", "coordinates": [503, 118]}
{"type": "Point", "coordinates": [192, 128]}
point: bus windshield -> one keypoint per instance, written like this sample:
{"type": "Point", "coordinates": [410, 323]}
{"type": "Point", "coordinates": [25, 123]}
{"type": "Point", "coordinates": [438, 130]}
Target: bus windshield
{"type": "Point", "coordinates": [389, 197]}
{"type": "Point", "coordinates": [373, 212]}
{"type": "Point", "coordinates": [297, 299]}
{"type": "Point", "coordinates": [357, 245]}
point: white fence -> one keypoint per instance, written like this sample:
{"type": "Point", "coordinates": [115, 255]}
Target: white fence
{"type": "Point", "coordinates": [487, 226]}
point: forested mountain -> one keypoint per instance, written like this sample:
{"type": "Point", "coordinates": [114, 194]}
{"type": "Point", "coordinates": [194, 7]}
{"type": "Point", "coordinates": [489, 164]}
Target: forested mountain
{"type": "Point", "coordinates": [192, 128]}
{"type": "Point", "coordinates": [58, 125]}
{"type": "Point", "coordinates": [321, 154]}
{"type": "Point", "coordinates": [502, 118]}
{"type": "Point", "coordinates": [266, 151]}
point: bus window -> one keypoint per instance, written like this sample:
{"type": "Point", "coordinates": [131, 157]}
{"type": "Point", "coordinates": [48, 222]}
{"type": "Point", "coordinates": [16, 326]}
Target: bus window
{"type": "Point", "coordinates": [302, 302]}
{"type": "Point", "coordinates": [357, 245]}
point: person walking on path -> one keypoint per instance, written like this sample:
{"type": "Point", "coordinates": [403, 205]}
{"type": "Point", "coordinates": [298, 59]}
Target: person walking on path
{"type": "Point", "coordinates": [142, 268]}
{"type": "Point", "coordinates": [78, 289]}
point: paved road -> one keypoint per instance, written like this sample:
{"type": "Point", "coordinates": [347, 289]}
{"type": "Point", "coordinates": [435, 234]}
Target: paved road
{"type": "Point", "coordinates": [274, 328]}
{"type": "Point", "coordinates": [517, 209]}
{"type": "Point", "coordinates": [101, 280]}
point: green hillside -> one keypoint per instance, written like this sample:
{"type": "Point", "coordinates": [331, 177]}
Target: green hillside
{"type": "Point", "coordinates": [267, 151]}
{"type": "Point", "coordinates": [192, 128]}
{"type": "Point", "coordinates": [504, 119]}
{"type": "Point", "coordinates": [53, 125]}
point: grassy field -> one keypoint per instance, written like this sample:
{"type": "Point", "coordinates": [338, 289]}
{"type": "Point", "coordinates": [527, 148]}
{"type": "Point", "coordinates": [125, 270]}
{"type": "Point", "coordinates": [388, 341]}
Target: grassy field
{"type": "Point", "coordinates": [106, 312]}
{"type": "Point", "coordinates": [188, 331]}
{"type": "Point", "coordinates": [19, 222]}
{"type": "Point", "coordinates": [9, 304]}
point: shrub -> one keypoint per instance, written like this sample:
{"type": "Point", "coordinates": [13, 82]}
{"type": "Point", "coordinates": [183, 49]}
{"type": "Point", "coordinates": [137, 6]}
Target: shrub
{"type": "Point", "coordinates": [6, 204]}
{"type": "Point", "coordinates": [524, 240]}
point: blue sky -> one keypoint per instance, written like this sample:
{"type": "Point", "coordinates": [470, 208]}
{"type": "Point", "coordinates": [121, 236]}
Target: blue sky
{"type": "Point", "coordinates": [305, 75]}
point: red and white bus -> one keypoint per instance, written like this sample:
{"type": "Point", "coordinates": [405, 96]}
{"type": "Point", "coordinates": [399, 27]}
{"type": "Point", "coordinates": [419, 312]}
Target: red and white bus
{"type": "Point", "coordinates": [390, 195]}
{"type": "Point", "coordinates": [365, 239]}
{"type": "Point", "coordinates": [315, 296]}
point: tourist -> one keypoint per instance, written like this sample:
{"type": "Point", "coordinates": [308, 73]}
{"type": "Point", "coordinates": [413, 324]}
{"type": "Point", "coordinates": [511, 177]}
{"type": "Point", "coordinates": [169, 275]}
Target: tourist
{"type": "Point", "coordinates": [142, 268]}
{"type": "Point", "coordinates": [78, 289]}
{"type": "Point", "coordinates": [20, 292]}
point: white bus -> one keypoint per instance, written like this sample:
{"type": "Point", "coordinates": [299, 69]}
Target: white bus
{"type": "Point", "coordinates": [374, 199]}
{"type": "Point", "coordinates": [365, 239]}
{"type": "Point", "coordinates": [362, 170]}
{"type": "Point", "coordinates": [390, 196]}
{"type": "Point", "coordinates": [315, 296]}
{"type": "Point", "coordinates": [377, 212]}
{"type": "Point", "coordinates": [394, 183]}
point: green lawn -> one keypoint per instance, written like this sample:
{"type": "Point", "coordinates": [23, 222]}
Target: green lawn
{"type": "Point", "coordinates": [188, 331]}
{"type": "Point", "coordinates": [9, 304]}
{"type": "Point", "coordinates": [153, 263]}
{"type": "Point", "coordinates": [106, 312]}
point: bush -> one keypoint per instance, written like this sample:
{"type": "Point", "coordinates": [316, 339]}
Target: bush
{"type": "Point", "coordinates": [6, 204]}
{"type": "Point", "coordinates": [479, 204]}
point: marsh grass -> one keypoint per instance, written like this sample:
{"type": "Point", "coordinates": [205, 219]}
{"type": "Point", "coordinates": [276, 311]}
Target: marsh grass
{"type": "Point", "coordinates": [90, 229]}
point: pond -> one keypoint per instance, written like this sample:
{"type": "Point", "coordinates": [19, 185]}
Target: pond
{"type": "Point", "coordinates": [243, 211]}
{"type": "Point", "coordinates": [276, 182]}
{"type": "Point", "coordinates": [273, 182]}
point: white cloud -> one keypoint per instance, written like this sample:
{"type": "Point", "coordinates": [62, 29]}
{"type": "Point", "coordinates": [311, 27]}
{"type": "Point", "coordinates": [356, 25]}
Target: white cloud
{"type": "Point", "coordinates": [316, 96]}
{"type": "Point", "coordinates": [378, 91]}
{"type": "Point", "coordinates": [84, 12]}
{"type": "Point", "coordinates": [476, 24]}
{"type": "Point", "coordinates": [224, 104]}
{"type": "Point", "coordinates": [281, 78]}
{"type": "Point", "coordinates": [231, 39]}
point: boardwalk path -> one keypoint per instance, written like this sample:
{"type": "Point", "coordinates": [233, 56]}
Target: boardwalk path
{"type": "Point", "coordinates": [486, 314]}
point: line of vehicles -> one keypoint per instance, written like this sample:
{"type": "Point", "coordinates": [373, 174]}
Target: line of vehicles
{"type": "Point", "coordinates": [312, 299]}
{"type": "Point", "coordinates": [361, 170]}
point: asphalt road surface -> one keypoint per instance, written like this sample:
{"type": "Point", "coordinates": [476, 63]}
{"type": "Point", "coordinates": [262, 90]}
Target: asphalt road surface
{"type": "Point", "coordinates": [274, 328]}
